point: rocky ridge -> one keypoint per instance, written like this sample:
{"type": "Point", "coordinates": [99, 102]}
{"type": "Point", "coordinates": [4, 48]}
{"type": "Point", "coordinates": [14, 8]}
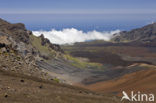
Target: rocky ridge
{"type": "Point", "coordinates": [15, 42]}
{"type": "Point", "coordinates": [144, 34]}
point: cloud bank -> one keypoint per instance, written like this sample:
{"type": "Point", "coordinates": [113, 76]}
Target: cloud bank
{"type": "Point", "coordinates": [72, 35]}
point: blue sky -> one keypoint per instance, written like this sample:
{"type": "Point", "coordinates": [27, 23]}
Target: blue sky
{"type": "Point", "coordinates": [77, 6]}
{"type": "Point", "coordinates": [117, 13]}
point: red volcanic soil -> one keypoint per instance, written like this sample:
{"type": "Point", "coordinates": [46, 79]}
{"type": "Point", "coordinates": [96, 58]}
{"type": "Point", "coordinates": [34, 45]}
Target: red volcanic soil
{"type": "Point", "coordinates": [143, 81]}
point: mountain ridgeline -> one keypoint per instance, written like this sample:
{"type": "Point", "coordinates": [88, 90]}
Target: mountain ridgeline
{"type": "Point", "coordinates": [144, 34]}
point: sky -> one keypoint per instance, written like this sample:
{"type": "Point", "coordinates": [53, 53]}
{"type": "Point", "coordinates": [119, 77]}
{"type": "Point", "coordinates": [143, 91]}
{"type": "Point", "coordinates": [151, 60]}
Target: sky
{"type": "Point", "coordinates": [103, 14]}
{"type": "Point", "coordinates": [70, 21]}
{"type": "Point", "coordinates": [77, 6]}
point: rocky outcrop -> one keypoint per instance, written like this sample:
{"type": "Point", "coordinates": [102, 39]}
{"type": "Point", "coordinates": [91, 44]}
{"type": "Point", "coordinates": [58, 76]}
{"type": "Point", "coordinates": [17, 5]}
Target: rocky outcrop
{"type": "Point", "coordinates": [17, 31]}
{"type": "Point", "coordinates": [15, 37]}
{"type": "Point", "coordinates": [18, 37]}
{"type": "Point", "coordinates": [145, 33]}
{"type": "Point", "coordinates": [4, 40]}
{"type": "Point", "coordinates": [45, 41]}
{"type": "Point", "coordinates": [17, 53]}
{"type": "Point", "coordinates": [16, 42]}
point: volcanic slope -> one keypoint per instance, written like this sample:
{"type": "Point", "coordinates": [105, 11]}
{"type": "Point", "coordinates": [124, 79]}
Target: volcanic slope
{"type": "Point", "coordinates": [22, 80]}
{"type": "Point", "coordinates": [143, 81]}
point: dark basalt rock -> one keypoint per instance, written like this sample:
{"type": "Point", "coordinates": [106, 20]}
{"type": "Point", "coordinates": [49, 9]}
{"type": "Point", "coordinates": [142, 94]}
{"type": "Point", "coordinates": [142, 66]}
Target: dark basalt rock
{"type": "Point", "coordinates": [45, 41]}
{"type": "Point", "coordinates": [16, 31]}
{"type": "Point", "coordinates": [2, 45]}
{"type": "Point", "coordinates": [22, 80]}
{"type": "Point", "coordinates": [56, 47]}
{"type": "Point", "coordinates": [6, 96]}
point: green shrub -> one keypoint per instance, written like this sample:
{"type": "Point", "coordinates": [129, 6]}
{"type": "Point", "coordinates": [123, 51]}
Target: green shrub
{"type": "Point", "coordinates": [56, 80]}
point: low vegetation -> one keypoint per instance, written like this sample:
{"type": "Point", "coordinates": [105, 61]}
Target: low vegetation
{"type": "Point", "coordinates": [82, 64]}
{"type": "Point", "coordinates": [44, 50]}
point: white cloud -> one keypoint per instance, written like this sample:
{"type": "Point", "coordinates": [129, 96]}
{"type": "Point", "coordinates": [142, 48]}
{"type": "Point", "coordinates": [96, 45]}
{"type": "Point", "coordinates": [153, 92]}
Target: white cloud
{"type": "Point", "coordinates": [69, 36]}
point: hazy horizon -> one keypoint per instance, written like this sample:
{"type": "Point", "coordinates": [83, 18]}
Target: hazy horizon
{"type": "Point", "coordinates": [83, 16]}
{"type": "Point", "coordinates": [86, 15]}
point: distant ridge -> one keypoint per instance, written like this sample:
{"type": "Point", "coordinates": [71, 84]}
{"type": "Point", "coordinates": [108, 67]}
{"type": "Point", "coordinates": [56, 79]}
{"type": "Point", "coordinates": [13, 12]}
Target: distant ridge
{"type": "Point", "coordinates": [146, 33]}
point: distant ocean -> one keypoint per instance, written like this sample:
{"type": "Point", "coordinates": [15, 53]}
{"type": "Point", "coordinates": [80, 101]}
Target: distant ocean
{"type": "Point", "coordinates": [87, 25]}
{"type": "Point", "coordinates": [103, 26]}
{"type": "Point", "coordinates": [71, 28]}
{"type": "Point", "coordinates": [84, 22]}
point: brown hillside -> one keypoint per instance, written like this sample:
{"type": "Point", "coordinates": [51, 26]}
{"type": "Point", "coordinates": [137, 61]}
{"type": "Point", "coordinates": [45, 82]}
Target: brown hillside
{"type": "Point", "coordinates": [143, 81]}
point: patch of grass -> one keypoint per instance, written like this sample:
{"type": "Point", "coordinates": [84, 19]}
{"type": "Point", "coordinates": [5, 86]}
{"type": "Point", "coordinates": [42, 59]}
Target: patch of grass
{"type": "Point", "coordinates": [81, 64]}
{"type": "Point", "coordinates": [44, 50]}
{"type": "Point", "coordinates": [56, 80]}
{"type": "Point", "coordinates": [148, 66]}
{"type": "Point", "coordinates": [18, 58]}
